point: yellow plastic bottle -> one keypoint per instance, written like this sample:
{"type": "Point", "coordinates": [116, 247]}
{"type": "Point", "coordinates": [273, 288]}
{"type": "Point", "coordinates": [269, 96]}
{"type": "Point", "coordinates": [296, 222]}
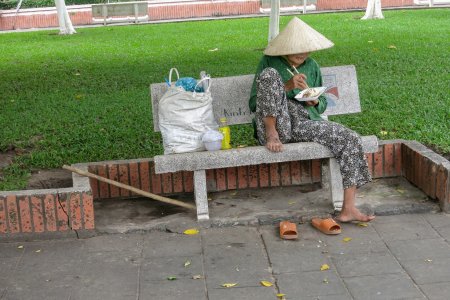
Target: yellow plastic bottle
{"type": "Point", "coordinates": [225, 129]}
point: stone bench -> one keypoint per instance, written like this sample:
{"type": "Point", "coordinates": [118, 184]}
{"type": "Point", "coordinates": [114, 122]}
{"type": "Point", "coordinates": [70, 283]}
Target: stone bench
{"type": "Point", "coordinates": [230, 99]}
{"type": "Point", "coordinates": [120, 12]}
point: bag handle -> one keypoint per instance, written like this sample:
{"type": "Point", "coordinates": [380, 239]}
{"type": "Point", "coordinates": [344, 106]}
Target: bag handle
{"type": "Point", "coordinates": [170, 75]}
{"type": "Point", "coordinates": [204, 79]}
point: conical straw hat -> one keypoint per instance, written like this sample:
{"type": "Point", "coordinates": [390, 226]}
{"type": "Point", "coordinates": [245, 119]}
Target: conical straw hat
{"type": "Point", "coordinates": [297, 37]}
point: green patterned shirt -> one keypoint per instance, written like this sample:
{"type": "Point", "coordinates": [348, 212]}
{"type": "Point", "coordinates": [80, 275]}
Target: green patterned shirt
{"type": "Point", "coordinates": [313, 78]}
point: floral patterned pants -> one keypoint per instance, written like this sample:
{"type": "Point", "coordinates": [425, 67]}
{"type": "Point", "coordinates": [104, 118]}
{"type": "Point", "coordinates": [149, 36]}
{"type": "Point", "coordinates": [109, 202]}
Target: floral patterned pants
{"type": "Point", "coordinates": [293, 125]}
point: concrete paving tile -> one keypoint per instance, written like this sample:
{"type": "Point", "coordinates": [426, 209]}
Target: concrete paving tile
{"type": "Point", "coordinates": [294, 255]}
{"type": "Point", "coordinates": [436, 291]}
{"type": "Point", "coordinates": [366, 264]}
{"type": "Point", "coordinates": [115, 242]}
{"type": "Point", "coordinates": [444, 232]}
{"type": "Point", "coordinates": [228, 258]}
{"type": "Point", "coordinates": [419, 249]}
{"type": "Point", "coordinates": [311, 284]}
{"type": "Point", "coordinates": [384, 287]}
{"type": "Point", "coordinates": [405, 231]}
{"type": "Point", "coordinates": [404, 218]}
{"type": "Point", "coordinates": [428, 270]}
{"type": "Point", "coordinates": [11, 249]}
{"type": "Point", "coordinates": [8, 264]}
{"type": "Point", "coordinates": [160, 268]}
{"type": "Point", "coordinates": [183, 288]}
{"type": "Point", "coordinates": [242, 293]}
{"type": "Point", "coordinates": [327, 297]}
{"type": "Point", "coordinates": [162, 244]}
{"type": "Point", "coordinates": [438, 220]}
{"type": "Point", "coordinates": [229, 235]}
{"type": "Point", "coordinates": [38, 291]}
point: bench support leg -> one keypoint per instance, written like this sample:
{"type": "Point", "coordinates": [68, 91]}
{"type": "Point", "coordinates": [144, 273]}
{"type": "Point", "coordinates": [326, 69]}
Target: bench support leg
{"type": "Point", "coordinates": [332, 180]}
{"type": "Point", "coordinates": [201, 196]}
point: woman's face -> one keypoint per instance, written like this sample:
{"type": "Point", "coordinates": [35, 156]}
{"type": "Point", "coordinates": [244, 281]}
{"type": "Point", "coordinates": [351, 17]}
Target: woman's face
{"type": "Point", "coordinates": [297, 59]}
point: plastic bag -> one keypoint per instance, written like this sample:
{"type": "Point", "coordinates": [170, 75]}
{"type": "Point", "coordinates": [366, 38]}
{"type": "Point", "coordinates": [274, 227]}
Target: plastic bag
{"type": "Point", "coordinates": [189, 84]}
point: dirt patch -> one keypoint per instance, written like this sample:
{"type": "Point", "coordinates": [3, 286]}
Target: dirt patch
{"type": "Point", "coordinates": [50, 179]}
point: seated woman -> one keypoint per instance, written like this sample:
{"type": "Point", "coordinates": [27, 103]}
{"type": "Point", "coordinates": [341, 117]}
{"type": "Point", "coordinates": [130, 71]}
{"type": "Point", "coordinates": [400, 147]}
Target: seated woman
{"type": "Point", "coordinates": [282, 73]}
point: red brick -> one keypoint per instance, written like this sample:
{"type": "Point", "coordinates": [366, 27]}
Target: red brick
{"type": "Point", "coordinates": [211, 184]}
{"type": "Point", "coordinates": [420, 175]}
{"type": "Point", "coordinates": [134, 176]}
{"type": "Point", "coordinates": [167, 183]}
{"type": "Point", "coordinates": [61, 213]}
{"type": "Point", "coordinates": [144, 176]}
{"type": "Point", "coordinates": [188, 181]}
{"type": "Point", "coordinates": [242, 177]}
{"type": "Point", "coordinates": [405, 162]}
{"type": "Point", "coordinates": [389, 160]}
{"type": "Point", "coordinates": [316, 169]}
{"type": "Point", "coordinates": [103, 187]}
{"type": "Point", "coordinates": [221, 179]}
{"type": "Point", "coordinates": [442, 184]}
{"type": "Point", "coordinates": [305, 171]}
{"type": "Point", "coordinates": [253, 176]}
{"type": "Point", "coordinates": [429, 182]}
{"type": "Point", "coordinates": [285, 173]}
{"type": "Point", "coordinates": [88, 210]}
{"type": "Point", "coordinates": [94, 183]}
{"type": "Point", "coordinates": [113, 174]}
{"type": "Point", "coordinates": [156, 180]}
{"type": "Point", "coordinates": [295, 172]}
{"type": "Point", "coordinates": [274, 174]}
{"type": "Point", "coordinates": [3, 225]}
{"type": "Point", "coordinates": [25, 214]}
{"type": "Point", "coordinates": [38, 214]}
{"type": "Point", "coordinates": [263, 171]}
{"type": "Point", "coordinates": [369, 157]}
{"type": "Point", "coordinates": [177, 179]}
{"type": "Point", "coordinates": [13, 214]}
{"type": "Point", "coordinates": [50, 212]}
{"type": "Point", "coordinates": [231, 178]}
{"type": "Point", "coordinates": [378, 163]}
{"type": "Point", "coordinates": [398, 159]}
{"type": "Point", "coordinates": [123, 178]}
{"type": "Point", "coordinates": [75, 211]}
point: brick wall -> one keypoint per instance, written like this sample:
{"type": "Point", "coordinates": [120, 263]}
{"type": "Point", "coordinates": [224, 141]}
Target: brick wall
{"type": "Point", "coordinates": [353, 4]}
{"type": "Point", "coordinates": [46, 211]}
{"type": "Point", "coordinates": [63, 210]}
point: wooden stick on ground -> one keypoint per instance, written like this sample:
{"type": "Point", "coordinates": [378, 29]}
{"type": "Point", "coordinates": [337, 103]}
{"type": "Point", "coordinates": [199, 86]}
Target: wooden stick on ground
{"type": "Point", "coordinates": [130, 188]}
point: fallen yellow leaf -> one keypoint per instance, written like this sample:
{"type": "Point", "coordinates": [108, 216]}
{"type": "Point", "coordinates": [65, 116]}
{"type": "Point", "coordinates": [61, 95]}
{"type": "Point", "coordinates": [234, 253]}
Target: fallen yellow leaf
{"type": "Point", "coordinates": [325, 280]}
{"type": "Point", "coordinates": [228, 285]}
{"type": "Point", "coordinates": [281, 296]}
{"type": "Point", "coordinates": [383, 132]}
{"type": "Point", "coordinates": [37, 251]}
{"type": "Point", "coordinates": [370, 41]}
{"type": "Point", "coordinates": [292, 202]}
{"type": "Point", "coordinates": [20, 247]}
{"type": "Point", "coordinates": [266, 283]}
{"type": "Point", "coordinates": [324, 267]}
{"type": "Point", "coordinates": [347, 239]}
{"type": "Point", "coordinates": [191, 231]}
{"type": "Point", "coordinates": [392, 47]}
{"type": "Point", "coordinates": [361, 224]}
{"type": "Point", "coordinates": [171, 278]}
{"type": "Point", "coordinates": [197, 277]}
{"type": "Point", "coordinates": [187, 263]}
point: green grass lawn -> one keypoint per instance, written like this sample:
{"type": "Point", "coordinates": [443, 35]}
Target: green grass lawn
{"type": "Point", "coordinates": [85, 97]}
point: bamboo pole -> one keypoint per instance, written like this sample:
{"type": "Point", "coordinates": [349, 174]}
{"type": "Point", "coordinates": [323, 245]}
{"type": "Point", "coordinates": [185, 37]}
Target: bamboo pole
{"type": "Point", "coordinates": [130, 188]}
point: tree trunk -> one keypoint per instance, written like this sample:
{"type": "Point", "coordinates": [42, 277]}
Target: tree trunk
{"type": "Point", "coordinates": [274, 21]}
{"type": "Point", "coordinates": [65, 24]}
{"type": "Point", "coordinates": [373, 10]}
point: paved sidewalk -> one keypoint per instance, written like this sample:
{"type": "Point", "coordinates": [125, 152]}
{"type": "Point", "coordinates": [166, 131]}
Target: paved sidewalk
{"type": "Point", "coordinates": [395, 257]}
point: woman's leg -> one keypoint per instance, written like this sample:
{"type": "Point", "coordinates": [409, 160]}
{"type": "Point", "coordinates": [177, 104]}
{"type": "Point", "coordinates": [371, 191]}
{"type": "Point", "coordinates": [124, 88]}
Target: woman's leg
{"type": "Point", "coordinates": [273, 124]}
{"type": "Point", "coordinates": [349, 211]}
{"type": "Point", "coordinates": [346, 146]}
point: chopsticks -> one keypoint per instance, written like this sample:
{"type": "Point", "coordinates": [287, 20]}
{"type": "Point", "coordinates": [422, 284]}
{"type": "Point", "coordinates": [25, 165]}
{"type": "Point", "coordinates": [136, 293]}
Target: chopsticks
{"type": "Point", "coordinates": [295, 69]}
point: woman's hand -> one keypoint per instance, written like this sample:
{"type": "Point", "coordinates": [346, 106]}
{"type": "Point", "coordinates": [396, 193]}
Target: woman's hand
{"type": "Point", "coordinates": [298, 81]}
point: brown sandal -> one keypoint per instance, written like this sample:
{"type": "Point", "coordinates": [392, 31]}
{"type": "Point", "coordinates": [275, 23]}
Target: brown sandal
{"type": "Point", "coordinates": [288, 230]}
{"type": "Point", "coordinates": [327, 226]}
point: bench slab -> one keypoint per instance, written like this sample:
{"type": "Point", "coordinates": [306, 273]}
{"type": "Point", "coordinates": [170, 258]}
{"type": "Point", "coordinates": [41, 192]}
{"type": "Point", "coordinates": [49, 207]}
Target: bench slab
{"type": "Point", "coordinates": [248, 156]}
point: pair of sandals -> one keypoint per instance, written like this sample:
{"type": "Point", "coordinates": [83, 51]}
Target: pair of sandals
{"type": "Point", "coordinates": [288, 230]}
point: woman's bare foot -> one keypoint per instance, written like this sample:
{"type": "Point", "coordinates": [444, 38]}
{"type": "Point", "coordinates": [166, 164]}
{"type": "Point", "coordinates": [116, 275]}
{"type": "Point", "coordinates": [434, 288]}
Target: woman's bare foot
{"type": "Point", "coordinates": [274, 144]}
{"type": "Point", "coordinates": [349, 215]}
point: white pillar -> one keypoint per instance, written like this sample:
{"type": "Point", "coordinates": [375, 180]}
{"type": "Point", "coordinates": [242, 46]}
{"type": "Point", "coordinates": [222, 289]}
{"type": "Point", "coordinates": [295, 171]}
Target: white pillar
{"type": "Point", "coordinates": [373, 10]}
{"type": "Point", "coordinates": [274, 20]}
